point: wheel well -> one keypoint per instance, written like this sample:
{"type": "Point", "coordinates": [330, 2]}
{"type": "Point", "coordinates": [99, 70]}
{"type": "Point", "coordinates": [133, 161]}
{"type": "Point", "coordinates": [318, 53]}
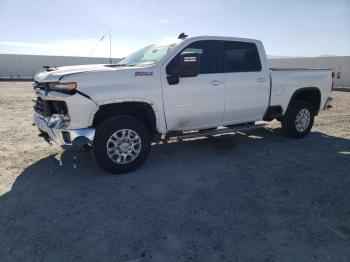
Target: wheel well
{"type": "Point", "coordinates": [309, 94]}
{"type": "Point", "coordinates": [140, 110]}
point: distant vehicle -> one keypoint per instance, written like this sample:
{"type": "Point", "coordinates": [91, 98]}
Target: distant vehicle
{"type": "Point", "coordinates": [188, 87]}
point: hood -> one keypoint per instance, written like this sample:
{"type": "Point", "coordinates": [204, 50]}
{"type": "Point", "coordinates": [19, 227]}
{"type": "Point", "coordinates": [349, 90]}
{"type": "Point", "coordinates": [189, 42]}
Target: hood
{"type": "Point", "coordinates": [55, 73]}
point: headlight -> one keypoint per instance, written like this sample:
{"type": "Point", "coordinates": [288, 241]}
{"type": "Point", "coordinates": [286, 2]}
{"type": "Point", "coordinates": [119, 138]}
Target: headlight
{"type": "Point", "coordinates": [68, 87]}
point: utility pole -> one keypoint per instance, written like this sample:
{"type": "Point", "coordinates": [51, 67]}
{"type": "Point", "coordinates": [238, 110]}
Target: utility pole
{"type": "Point", "coordinates": [110, 46]}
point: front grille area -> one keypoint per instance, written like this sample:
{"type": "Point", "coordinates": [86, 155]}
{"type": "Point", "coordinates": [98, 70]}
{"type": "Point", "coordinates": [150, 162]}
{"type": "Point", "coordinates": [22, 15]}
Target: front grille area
{"type": "Point", "coordinates": [58, 107]}
{"type": "Point", "coordinates": [42, 107]}
{"type": "Point", "coordinates": [48, 108]}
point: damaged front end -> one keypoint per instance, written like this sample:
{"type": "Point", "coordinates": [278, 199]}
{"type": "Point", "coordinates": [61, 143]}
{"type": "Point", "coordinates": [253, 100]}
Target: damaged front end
{"type": "Point", "coordinates": [52, 119]}
{"type": "Point", "coordinates": [52, 129]}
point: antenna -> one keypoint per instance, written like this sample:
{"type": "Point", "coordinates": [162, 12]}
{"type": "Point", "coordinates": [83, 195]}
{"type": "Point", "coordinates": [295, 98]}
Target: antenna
{"type": "Point", "coordinates": [109, 32]}
{"type": "Point", "coordinates": [110, 46]}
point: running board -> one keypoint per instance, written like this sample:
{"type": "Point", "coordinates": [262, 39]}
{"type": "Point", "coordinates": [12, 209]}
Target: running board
{"type": "Point", "coordinates": [214, 131]}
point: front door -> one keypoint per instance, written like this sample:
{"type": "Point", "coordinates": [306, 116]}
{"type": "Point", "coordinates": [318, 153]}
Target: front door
{"type": "Point", "coordinates": [195, 102]}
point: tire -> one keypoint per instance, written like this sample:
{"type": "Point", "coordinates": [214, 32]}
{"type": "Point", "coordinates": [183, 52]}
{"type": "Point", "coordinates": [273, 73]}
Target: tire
{"type": "Point", "coordinates": [122, 144]}
{"type": "Point", "coordinates": [299, 119]}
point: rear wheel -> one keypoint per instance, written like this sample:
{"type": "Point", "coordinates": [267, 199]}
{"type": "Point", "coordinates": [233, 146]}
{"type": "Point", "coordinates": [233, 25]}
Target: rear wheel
{"type": "Point", "coordinates": [299, 119]}
{"type": "Point", "coordinates": [121, 144]}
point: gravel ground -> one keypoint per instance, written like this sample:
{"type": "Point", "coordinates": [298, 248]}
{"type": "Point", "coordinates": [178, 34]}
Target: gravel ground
{"type": "Point", "coordinates": [253, 197]}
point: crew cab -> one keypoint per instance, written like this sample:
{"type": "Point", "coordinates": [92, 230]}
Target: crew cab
{"type": "Point", "coordinates": [174, 89]}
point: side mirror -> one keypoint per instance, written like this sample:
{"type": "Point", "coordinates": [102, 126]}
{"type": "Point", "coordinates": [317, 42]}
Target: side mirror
{"type": "Point", "coordinates": [189, 64]}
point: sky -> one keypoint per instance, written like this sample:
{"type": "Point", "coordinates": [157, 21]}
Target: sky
{"type": "Point", "coordinates": [73, 28]}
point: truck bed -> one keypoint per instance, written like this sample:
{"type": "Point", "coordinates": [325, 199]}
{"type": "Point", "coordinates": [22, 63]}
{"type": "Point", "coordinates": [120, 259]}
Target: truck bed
{"type": "Point", "coordinates": [285, 81]}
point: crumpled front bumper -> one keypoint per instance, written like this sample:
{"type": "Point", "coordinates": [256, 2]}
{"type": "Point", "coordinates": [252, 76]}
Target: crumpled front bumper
{"type": "Point", "coordinates": [76, 138]}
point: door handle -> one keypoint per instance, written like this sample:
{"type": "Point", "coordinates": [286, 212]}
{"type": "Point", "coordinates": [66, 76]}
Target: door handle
{"type": "Point", "coordinates": [261, 80]}
{"type": "Point", "coordinates": [216, 82]}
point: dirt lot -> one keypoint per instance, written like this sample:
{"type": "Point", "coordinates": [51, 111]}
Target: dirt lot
{"type": "Point", "coordinates": [253, 197]}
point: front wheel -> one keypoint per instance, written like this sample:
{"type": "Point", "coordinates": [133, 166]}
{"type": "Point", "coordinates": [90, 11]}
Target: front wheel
{"type": "Point", "coordinates": [299, 119]}
{"type": "Point", "coordinates": [121, 144]}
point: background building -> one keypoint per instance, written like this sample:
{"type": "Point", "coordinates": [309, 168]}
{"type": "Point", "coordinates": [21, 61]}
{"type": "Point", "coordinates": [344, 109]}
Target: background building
{"type": "Point", "coordinates": [25, 66]}
{"type": "Point", "coordinates": [339, 64]}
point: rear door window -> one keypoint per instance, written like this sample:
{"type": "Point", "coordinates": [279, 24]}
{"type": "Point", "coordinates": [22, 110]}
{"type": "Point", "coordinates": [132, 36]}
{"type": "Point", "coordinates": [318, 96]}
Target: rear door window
{"type": "Point", "coordinates": [241, 57]}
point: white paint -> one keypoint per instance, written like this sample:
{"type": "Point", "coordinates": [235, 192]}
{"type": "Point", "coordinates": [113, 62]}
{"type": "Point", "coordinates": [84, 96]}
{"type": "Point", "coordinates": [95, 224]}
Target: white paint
{"type": "Point", "coordinates": [193, 103]}
{"type": "Point", "coordinates": [247, 93]}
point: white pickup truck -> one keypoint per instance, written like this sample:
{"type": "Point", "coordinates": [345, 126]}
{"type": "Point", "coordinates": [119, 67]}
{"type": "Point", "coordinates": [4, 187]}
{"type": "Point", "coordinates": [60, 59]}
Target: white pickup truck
{"type": "Point", "coordinates": [188, 87]}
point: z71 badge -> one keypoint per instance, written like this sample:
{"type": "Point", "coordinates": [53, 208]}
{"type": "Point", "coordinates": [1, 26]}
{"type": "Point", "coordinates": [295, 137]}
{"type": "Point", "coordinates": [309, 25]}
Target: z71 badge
{"type": "Point", "coordinates": [143, 73]}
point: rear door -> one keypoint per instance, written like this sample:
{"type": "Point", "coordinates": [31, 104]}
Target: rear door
{"type": "Point", "coordinates": [247, 82]}
{"type": "Point", "coordinates": [195, 102]}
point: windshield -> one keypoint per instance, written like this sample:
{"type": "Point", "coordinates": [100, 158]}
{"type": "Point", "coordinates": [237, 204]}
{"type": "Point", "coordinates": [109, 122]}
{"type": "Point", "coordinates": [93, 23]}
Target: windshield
{"type": "Point", "coordinates": [148, 55]}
